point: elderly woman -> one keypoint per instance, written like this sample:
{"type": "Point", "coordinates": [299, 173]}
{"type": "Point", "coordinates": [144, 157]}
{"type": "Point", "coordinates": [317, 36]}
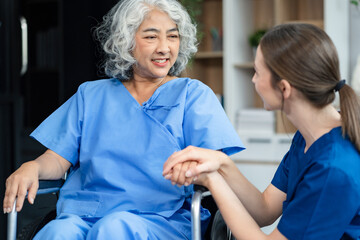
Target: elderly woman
{"type": "Point", "coordinates": [115, 134]}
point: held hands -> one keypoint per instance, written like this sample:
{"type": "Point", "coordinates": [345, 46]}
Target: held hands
{"type": "Point", "coordinates": [178, 174]}
{"type": "Point", "coordinates": [192, 164]}
{"type": "Point", "coordinates": [23, 180]}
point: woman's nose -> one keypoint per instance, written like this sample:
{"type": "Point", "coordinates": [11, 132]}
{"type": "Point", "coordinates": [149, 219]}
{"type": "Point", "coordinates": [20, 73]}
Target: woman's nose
{"type": "Point", "coordinates": [163, 46]}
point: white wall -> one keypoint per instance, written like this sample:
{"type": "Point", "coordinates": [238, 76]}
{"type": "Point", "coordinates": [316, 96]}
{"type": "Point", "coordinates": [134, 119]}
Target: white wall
{"type": "Point", "coordinates": [337, 26]}
{"type": "Point", "coordinates": [354, 36]}
{"type": "Point", "coordinates": [342, 23]}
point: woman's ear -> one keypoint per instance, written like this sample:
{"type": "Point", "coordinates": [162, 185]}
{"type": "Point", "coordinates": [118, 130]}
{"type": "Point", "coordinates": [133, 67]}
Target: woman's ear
{"type": "Point", "coordinates": [285, 88]}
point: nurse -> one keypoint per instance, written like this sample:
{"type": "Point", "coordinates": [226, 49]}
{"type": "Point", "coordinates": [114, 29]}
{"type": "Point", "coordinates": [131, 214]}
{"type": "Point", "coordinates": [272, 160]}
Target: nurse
{"type": "Point", "coordinates": [115, 134]}
{"type": "Point", "coordinates": [316, 187]}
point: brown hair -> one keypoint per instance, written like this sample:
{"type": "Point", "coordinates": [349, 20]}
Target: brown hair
{"type": "Point", "coordinates": [305, 56]}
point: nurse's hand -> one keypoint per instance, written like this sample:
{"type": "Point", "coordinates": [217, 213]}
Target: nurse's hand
{"type": "Point", "coordinates": [207, 161]}
{"type": "Point", "coordinates": [177, 173]}
{"type": "Point", "coordinates": [23, 180]}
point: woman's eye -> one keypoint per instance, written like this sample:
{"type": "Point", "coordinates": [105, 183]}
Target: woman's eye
{"type": "Point", "coordinates": [150, 37]}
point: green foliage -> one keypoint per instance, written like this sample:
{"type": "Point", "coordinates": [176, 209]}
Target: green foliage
{"type": "Point", "coordinates": [355, 2]}
{"type": "Point", "coordinates": [194, 8]}
{"type": "Point", "coordinates": [254, 39]}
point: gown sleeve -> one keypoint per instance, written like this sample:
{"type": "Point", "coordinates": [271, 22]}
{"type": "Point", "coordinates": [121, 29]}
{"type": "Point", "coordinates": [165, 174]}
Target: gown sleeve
{"type": "Point", "coordinates": [61, 131]}
{"type": "Point", "coordinates": [206, 124]}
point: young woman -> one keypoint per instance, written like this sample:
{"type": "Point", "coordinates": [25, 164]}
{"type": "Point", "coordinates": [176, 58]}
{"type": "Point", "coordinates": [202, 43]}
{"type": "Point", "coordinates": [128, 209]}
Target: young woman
{"type": "Point", "coordinates": [316, 187]}
{"type": "Point", "coordinates": [117, 133]}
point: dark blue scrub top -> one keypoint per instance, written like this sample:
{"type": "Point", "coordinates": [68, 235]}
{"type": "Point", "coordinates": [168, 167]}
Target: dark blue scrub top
{"type": "Point", "coordinates": [322, 187]}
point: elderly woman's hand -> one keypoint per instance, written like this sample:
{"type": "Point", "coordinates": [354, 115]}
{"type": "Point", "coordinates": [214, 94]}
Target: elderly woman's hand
{"type": "Point", "coordinates": [23, 180]}
{"type": "Point", "coordinates": [199, 160]}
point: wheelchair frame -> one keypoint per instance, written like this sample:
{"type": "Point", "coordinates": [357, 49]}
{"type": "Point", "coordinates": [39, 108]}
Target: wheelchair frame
{"type": "Point", "coordinates": [53, 186]}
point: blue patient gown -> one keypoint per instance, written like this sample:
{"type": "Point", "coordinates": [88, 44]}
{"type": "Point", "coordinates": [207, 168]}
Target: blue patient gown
{"type": "Point", "coordinates": [117, 149]}
{"type": "Point", "coordinates": [322, 187]}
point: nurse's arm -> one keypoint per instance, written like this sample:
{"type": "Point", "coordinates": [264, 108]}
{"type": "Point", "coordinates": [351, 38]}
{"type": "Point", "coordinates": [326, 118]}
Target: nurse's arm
{"type": "Point", "coordinates": [265, 207]}
{"type": "Point", "coordinates": [236, 216]}
{"type": "Point", "coordinates": [25, 179]}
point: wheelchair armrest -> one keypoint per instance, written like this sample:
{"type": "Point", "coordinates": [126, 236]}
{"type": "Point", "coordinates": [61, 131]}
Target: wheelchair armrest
{"type": "Point", "coordinates": [199, 193]}
{"type": "Point", "coordinates": [45, 186]}
{"type": "Point", "coordinates": [200, 188]}
{"type": "Point", "coordinates": [50, 186]}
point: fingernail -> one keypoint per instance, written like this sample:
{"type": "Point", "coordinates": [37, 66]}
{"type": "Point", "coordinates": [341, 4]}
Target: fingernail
{"type": "Point", "coordinates": [173, 183]}
{"type": "Point", "coordinates": [31, 200]}
{"type": "Point", "coordinates": [167, 176]}
{"type": "Point", "coordinates": [188, 173]}
{"type": "Point", "coordinates": [186, 184]}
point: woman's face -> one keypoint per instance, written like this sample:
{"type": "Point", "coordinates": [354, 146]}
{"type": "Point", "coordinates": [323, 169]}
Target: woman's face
{"type": "Point", "coordinates": [271, 97]}
{"type": "Point", "coordinates": [157, 43]}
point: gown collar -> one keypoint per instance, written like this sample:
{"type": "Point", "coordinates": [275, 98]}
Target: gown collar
{"type": "Point", "coordinates": [151, 103]}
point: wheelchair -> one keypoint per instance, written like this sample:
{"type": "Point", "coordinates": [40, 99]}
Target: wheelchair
{"type": "Point", "coordinates": [217, 229]}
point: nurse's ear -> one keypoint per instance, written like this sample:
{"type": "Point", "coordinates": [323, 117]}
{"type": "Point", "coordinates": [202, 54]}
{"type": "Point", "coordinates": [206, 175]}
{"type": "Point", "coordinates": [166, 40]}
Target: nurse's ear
{"type": "Point", "coordinates": [285, 88]}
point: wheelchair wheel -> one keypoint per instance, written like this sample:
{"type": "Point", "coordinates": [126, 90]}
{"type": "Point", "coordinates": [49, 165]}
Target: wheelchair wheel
{"type": "Point", "coordinates": [219, 230]}
{"type": "Point", "coordinates": [30, 230]}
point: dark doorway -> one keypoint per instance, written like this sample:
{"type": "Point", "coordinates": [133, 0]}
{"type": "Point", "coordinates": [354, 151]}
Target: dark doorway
{"type": "Point", "coordinates": [46, 51]}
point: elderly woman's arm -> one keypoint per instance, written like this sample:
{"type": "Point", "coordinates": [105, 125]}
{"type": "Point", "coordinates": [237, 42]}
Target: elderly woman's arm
{"type": "Point", "coordinates": [49, 165]}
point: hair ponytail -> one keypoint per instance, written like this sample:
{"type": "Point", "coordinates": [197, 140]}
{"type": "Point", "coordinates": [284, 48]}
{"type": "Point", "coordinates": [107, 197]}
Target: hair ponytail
{"type": "Point", "coordinates": [350, 114]}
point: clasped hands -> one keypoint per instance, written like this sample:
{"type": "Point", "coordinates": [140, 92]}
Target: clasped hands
{"type": "Point", "coordinates": [192, 165]}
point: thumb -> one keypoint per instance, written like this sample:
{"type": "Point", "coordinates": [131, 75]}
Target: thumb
{"type": "Point", "coordinates": [199, 169]}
